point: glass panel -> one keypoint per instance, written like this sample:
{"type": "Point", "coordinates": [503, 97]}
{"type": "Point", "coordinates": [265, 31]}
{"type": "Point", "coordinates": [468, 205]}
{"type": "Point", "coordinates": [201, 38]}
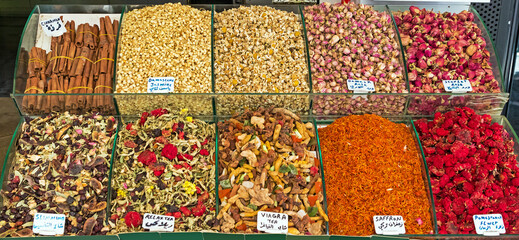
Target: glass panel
{"type": "Point", "coordinates": [40, 70]}
{"type": "Point", "coordinates": [135, 104]}
{"type": "Point", "coordinates": [231, 103]}
{"type": "Point", "coordinates": [347, 104]}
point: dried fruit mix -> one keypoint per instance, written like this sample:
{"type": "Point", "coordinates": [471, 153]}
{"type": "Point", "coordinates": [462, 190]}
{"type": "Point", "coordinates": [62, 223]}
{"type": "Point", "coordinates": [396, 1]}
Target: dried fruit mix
{"type": "Point", "coordinates": [266, 164]}
{"type": "Point", "coordinates": [473, 169]}
{"type": "Point", "coordinates": [372, 167]}
{"type": "Point", "coordinates": [60, 166]}
{"type": "Point", "coordinates": [164, 165]}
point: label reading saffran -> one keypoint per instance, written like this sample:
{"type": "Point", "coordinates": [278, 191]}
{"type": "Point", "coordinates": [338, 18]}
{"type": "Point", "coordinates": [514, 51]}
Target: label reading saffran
{"type": "Point", "coordinates": [360, 86]}
{"type": "Point", "coordinates": [457, 86]}
{"type": "Point", "coordinates": [53, 27]}
{"type": "Point", "coordinates": [389, 224]}
{"type": "Point", "coordinates": [489, 224]}
{"type": "Point", "coordinates": [272, 222]}
{"type": "Point", "coordinates": [158, 223]}
{"type": "Point", "coordinates": [49, 224]}
{"type": "Point", "coordinates": [161, 84]}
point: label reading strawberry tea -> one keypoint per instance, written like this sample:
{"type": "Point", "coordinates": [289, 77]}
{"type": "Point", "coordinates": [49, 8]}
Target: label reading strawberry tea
{"type": "Point", "coordinates": [389, 224]}
{"type": "Point", "coordinates": [49, 224]}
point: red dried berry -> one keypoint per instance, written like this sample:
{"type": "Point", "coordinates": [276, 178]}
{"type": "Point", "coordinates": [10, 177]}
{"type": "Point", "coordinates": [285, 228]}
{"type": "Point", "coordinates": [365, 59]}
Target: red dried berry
{"type": "Point", "coordinates": [205, 142]}
{"type": "Point", "coordinates": [187, 166]}
{"type": "Point", "coordinates": [180, 157]}
{"type": "Point", "coordinates": [177, 166]}
{"type": "Point", "coordinates": [129, 126]}
{"type": "Point", "coordinates": [130, 144]}
{"type": "Point", "coordinates": [133, 219]}
{"type": "Point", "coordinates": [147, 157]}
{"type": "Point", "coordinates": [188, 157]}
{"type": "Point", "coordinates": [199, 210]}
{"type": "Point", "coordinates": [177, 215]}
{"type": "Point", "coordinates": [15, 180]}
{"type": "Point", "coordinates": [181, 135]}
{"type": "Point", "coordinates": [169, 214]}
{"type": "Point", "coordinates": [169, 151]}
{"type": "Point", "coordinates": [314, 170]}
{"type": "Point", "coordinates": [198, 191]}
{"type": "Point", "coordinates": [114, 217]}
{"type": "Point", "coordinates": [158, 172]}
{"type": "Point", "coordinates": [144, 117]}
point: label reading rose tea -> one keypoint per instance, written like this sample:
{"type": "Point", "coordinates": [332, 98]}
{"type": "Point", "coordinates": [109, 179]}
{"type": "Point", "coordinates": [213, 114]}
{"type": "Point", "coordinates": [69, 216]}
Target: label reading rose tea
{"type": "Point", "coordinates": [158, 223]}
{"type": "Point", "coordinates": [49, 224]}
{"type": "Point", "coordinates": [53, 27]}
{"type": "Point", "coordinates": [271, 222]}
{"type": "Point", "coordinates": [389, 224]}
{"type": "Point", "coordinates": [161, 84]}
{"type": "Point", "coordinates": [489, 224]}
{"type": "Point", "coordinates": [457, 86]}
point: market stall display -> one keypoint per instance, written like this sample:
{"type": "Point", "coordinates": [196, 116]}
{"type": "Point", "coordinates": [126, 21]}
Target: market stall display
{"type": "Point", "coordinates": [60, 165]}
{"type": "Point", "coordinates": [266, 164]}
{"type": "Point", "coordinates": [373, 166]}
{"type": "Point", "coordinates": [473, 169]}
{"type": "Point", "coordinates": [170, 40]}
{"type": "Point", "coordinates": [354, 42]}
{"type": "Point", "coordinates": [260, 49]}
{"type": "Point", "coordinates": [164, 165]}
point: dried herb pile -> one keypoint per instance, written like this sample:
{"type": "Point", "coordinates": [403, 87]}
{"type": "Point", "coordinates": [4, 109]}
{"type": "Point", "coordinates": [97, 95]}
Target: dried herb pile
{"type": "Point", "coordinates": [265, 164]}
{"type": "Point", "coordinates": [372, 167]}
{"type": "Point", "coordinates": [61, 166]}
{"type": "Point", "coordinates": [165, 165]}
{"type": "Point", "coordinates": [473, 169]}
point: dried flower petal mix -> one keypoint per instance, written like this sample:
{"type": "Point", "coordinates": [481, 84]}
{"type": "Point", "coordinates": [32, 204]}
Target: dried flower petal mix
{"type": "Point", "coordinates": [372, 167]}
{"type": "Point", "coordinates": [473, 169]}
{"type": "Point", "coordinates": [164, 165]}
{"type": "Point", "coordinates": [265, 164]}
{"type": "Point", "coordinates": [61, 166]}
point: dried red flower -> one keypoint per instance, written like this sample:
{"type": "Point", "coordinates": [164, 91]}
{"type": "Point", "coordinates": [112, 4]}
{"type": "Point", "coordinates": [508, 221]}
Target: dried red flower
{"type": "Point", "coordinates": [159, 112]}
{"type": "Point", "coordinates": [204, 152]}
{"type": "Point", "coordinates": [144, 117]}
{"type": "Point", "coordinates": [147, 157]}
{"type": "Point", "coordinates": [169, 151]}
{"type": "Point", "coordinates": [177, 215]}
{"type": "Point", "coordinates": [199, 210]}
{"type": "Point", "coordinates": [185, 211]}
{"type": "Point", "coordinates": [158, 172]}
{"type": "Point", "coordinates": [133, 219]}
{"type": "Point", "coordinates": [314, 170]}
{"type": "Point", "coordinates": [129, 126]}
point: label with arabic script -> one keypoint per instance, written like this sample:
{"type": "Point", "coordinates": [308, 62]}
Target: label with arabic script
{"type": "Point", "coordinates": [360, 86]}
{"type": "Point", "coordinates": [53, 27]}
{"type": "Point", "coordinates": [49, 224]}
{"type": "Point", "coordinates": [389, 224]}
{"type": "Point", "coordinates": [161, 84]}
{"type": "Point", "coordinates": [489, 224]}
{"type": "Point", "coordinates": [272, 222]}
{"type": "Point", "coordinates": [158, 223]}
{"type": "Point", "coordinates": [457, 86]}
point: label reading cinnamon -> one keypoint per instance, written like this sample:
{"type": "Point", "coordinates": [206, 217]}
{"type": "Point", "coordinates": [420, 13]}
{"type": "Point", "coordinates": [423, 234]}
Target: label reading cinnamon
{"type": "Point", "coordinates": [53, 27]}
{"type": "Point", "coordinates": [161, 84]}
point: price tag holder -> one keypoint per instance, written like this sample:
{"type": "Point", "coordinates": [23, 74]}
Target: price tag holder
{"type": "Point", "coordinates": [272, 222]}
{"type": "Point", "coordinates": [161, 84]}
{"type": "Point", "coordinates": [49, 224]}
{"type": "Point", "coordinates": [489, 224]}
{"type": "Point", "coordinates": [457, 86]}
{"type": "Point", "coordinates": [158, 223]}
{"type": "Point", "coordinates": [53, 27]}
{"type": "Point", "coordinates": [389, 224]}
{"type": "Point", "coordinates": [361, 86]}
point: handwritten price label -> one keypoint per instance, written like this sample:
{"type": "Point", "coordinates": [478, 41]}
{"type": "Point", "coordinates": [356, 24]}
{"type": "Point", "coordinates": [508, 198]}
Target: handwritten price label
{"type": "Point", "coordinates": [457, 86]}
{"type": "Point", "coordinates": [53, 27]}
{"type": "Point", "coordinates": [49, 224]}
{"type": "Point", "coordinates": [360, 86]}
{"type": "Point", "coordinates": [161, 84]}
{"type": "Point", "coordinates": [389, 224]}
{"type": "Point", "coordinates": [489, 224]}
{"type": "Point", "coordinates": [272, 222]}
{"type": "Point", "coordinates": [158, 223]}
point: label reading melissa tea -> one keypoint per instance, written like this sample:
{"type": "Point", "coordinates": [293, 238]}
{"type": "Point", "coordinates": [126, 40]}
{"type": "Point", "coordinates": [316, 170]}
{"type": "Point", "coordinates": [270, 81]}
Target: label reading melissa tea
{"type": "Point", "coordinates": [489, 224]}
{"type": "Point", "coordinates": [158, 223]}
{"type": "Point", "coordinates": [49, 224]}
{"type": "Point", "coordinates": [271, 222]}
{"type": "Point", "coordinates": [161, 84]}
{"type": "Point", "coordinates": [53, 27]}
{"type": "Point", "coordinates": [457, 86]}
{"type": "Point", "coordinates": [389, 224]}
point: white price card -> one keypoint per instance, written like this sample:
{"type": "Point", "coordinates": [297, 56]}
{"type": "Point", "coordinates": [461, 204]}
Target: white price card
{"type": "Point", "coordinates": [457, 86]}
{"type": "Point", "coordinates": [53, 27]}
{"type": "Point", "coordinates": [389, 224]}
{"type": "Point", "coordinates": [158, 223]}
{"type": "Point", "coordinates": [161, 84]}
{"type": "Point", "coordinates": [49, 224]}
{"type": "Point", "coordinates": [360, 86]}
{"type": "Point", "coordinates": [272, 222]}
{"type": "Point", "coordinates": [489, 224]}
